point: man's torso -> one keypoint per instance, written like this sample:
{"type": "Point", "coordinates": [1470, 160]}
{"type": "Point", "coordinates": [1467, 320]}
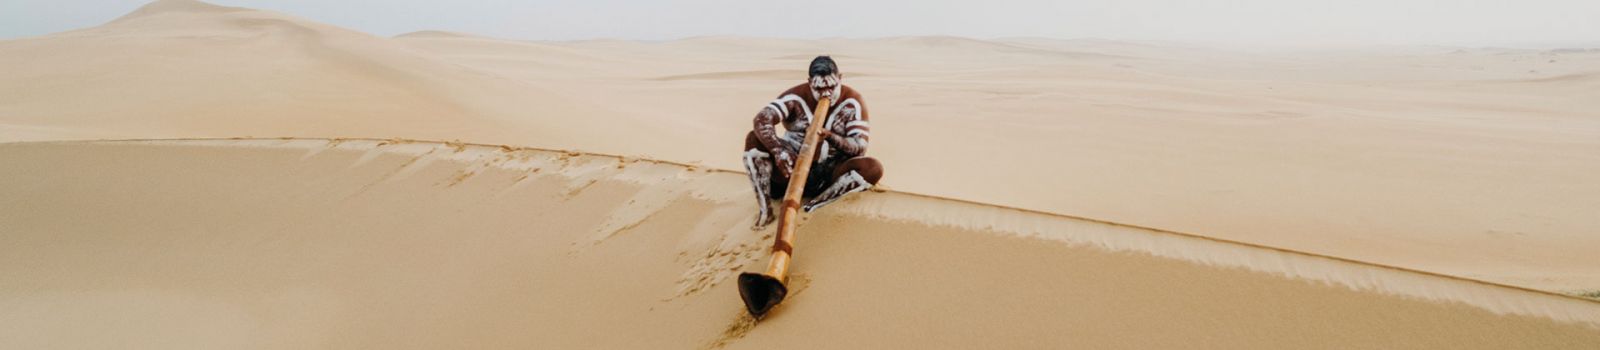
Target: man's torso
{"type": "Point", "coordinates": [846, 113]}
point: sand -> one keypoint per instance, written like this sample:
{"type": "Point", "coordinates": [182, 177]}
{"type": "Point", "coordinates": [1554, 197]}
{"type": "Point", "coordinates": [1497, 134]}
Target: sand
{"type": "Point", "coordinates": [1473, 162]}
{"type": "Point", "coordinates": [1293, 175]}
{"type": "Point", "coordinates": [396, 244]}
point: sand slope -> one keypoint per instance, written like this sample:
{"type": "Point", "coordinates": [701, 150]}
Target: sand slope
{"type": "Point", "coordinates": [397, 244]}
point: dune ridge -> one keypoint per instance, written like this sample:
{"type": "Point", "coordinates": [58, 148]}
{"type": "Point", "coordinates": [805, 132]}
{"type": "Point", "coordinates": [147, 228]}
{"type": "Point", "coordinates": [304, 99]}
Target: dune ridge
{"type": "Point", "coordinates": [178, 6]}
{"type": "Point", "coordinates": [925, 209]}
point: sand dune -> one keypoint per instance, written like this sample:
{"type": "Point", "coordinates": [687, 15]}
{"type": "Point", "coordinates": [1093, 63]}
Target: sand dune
{"type": "Point", "coordinates": [1383, 156]}
{"type": "Point", "coordinates": [1476, 163]}
{"type": "Point", "coordinates": [1587, 79]}
{"type": "Point", "coordinates": [186, 68]}
{"type": "Point", "coordinates": [400, 244]}
{"type": "Point", "coordinates": [436, 34]}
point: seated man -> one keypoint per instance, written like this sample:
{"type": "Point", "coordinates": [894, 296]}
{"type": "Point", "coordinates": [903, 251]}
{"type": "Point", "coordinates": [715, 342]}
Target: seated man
{"type": "Point", "coordinates": [841, 166]}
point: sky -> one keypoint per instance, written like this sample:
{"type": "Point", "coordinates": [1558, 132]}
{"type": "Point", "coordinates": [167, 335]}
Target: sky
{"type": "Point", "coordinates": [1524, 23]}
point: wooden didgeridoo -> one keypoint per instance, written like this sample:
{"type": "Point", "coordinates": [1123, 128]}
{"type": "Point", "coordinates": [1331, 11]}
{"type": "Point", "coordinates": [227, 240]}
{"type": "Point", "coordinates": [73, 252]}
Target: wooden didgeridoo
{"type": "Point", "coordinates": [762, 291]}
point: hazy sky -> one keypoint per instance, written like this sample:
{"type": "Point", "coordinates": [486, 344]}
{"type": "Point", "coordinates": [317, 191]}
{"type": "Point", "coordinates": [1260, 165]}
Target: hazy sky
{"type": "Point", "coordinates": [1449, 22]}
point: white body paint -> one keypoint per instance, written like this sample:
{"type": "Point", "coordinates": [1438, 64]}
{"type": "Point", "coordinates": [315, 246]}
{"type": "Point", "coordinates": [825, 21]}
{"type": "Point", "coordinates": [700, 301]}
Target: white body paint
{"type": "Point", "coordinates": [850, 182]}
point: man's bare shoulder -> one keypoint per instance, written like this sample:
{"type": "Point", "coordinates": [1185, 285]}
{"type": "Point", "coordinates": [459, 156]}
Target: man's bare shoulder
{"type": "Point", "coordinates": [846, 92]}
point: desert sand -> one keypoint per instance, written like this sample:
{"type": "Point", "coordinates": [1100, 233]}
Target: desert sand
{"type": "Point", "coordinates": [1040, 192]}
{"type": "Point", "coordinates": [398, 244]}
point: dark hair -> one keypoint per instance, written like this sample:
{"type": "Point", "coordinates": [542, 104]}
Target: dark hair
{"type": "Point", "coordinates": [823, 66]}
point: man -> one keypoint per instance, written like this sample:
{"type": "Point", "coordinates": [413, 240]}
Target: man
{"type": "Point", "coordinates": [841, 166]}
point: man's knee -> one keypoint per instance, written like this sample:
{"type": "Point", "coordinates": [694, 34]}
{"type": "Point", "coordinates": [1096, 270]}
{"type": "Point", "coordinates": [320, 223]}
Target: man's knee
{"type": "Point", "coordinates": [869, 169]}
{"type": "Point", "coordinates": [751, 142]}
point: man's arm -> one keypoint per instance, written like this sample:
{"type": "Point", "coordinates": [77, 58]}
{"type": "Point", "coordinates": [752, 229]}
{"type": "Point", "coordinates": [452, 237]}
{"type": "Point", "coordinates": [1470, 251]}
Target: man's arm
{"type": "Point", "coordinates": [851, 132]}
{"type": "Point", "coordinates": [766, 132]}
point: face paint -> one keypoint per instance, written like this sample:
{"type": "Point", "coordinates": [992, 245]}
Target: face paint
{"type": "Point", "coordinates": [825, 86]}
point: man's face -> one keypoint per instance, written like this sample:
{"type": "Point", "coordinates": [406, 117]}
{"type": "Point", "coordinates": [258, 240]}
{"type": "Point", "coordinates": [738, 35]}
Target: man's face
{"type": "Point", "coordinates": [826, 86]}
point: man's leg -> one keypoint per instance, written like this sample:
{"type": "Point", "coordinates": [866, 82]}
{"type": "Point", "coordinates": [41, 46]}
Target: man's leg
{"type": "Point", "coordinates": [854, 175]}
{"type": "Point", "coordinates": [759, 163]}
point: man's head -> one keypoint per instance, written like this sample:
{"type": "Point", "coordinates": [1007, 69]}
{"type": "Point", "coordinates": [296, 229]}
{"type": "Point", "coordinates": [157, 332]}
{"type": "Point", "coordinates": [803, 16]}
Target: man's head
{"type": "Point", "coordinates": [825, 78]}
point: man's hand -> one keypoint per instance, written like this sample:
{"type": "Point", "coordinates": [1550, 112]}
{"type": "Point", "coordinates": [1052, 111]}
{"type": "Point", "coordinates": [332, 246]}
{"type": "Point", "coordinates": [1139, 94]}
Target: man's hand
{"type": "Point", "coordinates": [785, 163]}
{"type": "Point", "coordinates": [831, 136]}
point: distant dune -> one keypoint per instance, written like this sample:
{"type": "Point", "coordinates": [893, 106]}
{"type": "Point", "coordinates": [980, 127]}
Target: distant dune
{"type": "Point", "coordinates": [785, 75]}
{"type": "Point", "coordinates": [436, 34]}
{"type": "Point", "coordinates": [185, 68]}
{"type": "Point", "coordinates": [1576, 78]}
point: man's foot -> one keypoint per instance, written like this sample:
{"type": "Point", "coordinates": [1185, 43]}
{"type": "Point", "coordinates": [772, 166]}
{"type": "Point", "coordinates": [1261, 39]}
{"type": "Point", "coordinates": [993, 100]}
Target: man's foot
{"type": "Point", "coordinates": [850, 182]}
{"type": "Point", "coordinates": [762, 219]}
